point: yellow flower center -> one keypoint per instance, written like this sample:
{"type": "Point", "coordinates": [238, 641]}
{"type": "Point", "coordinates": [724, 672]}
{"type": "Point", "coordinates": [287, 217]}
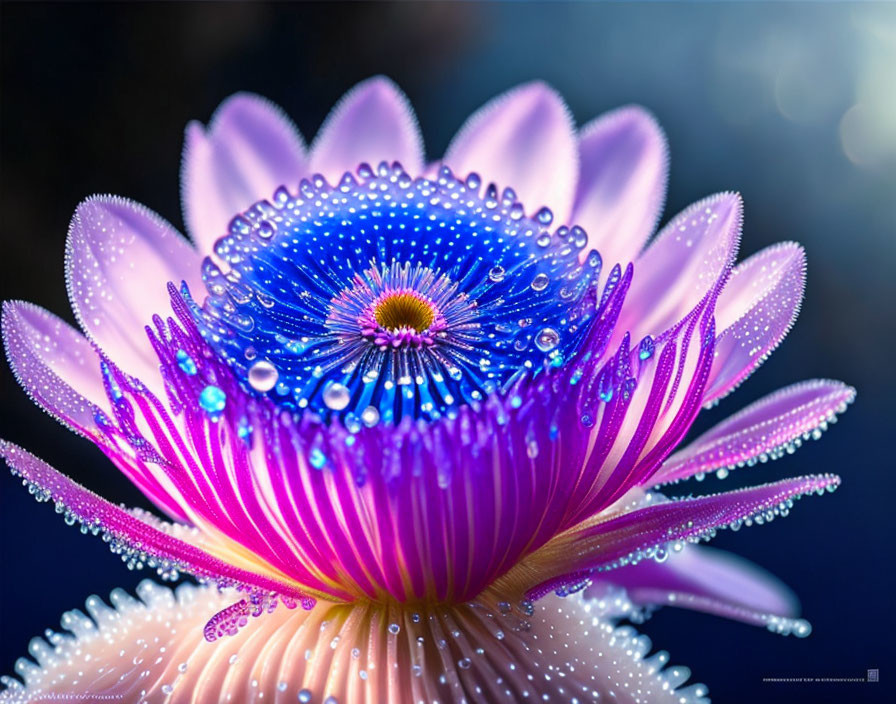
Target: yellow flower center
{"type": "Point", "coordinates": [403, 310]}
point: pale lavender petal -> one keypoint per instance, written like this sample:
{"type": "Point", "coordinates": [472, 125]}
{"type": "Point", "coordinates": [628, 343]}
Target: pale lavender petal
{"type": "Point", "coordinates": [757, 308]}
{"type": "Point", "coordinates": [642, 533]}
{"type": "Point", "coordinates": [372, 123]}
{"type": "Point", "coordinates": [763, 430]}
{"type": "Point", "coordinates": [119, 258]}
{"type": "Point", "coordinates": [152, 650]}
{"type": "Point", "coordinates": [60, 370]}
{"type": "Point", "coordinates": [687, 259]}
{"type": "Point", "coordinates": [706, 579]}
{"type": "Point", "coordinates": [55, 364]}
{"type": "Point", "coordinates": [622, 182]}
{"type": "Point", "coordinates": [137, 538]}
{"type": "Point", "coordinates": [525, 140]}
{"type": "Point", "coordinates": [249, 149]}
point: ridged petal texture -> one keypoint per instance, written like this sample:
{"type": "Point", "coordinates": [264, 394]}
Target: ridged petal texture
{"type": "Point", "coordinates": [151, 650]}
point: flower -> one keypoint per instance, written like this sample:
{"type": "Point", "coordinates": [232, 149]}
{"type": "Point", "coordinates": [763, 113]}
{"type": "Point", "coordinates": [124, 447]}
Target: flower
{"type": "Point", "coordinates": [415, 400]}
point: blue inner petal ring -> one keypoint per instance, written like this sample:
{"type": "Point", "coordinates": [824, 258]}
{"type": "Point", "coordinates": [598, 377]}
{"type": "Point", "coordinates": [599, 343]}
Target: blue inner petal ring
{"type": "Point", "coordinates": [387, 296]}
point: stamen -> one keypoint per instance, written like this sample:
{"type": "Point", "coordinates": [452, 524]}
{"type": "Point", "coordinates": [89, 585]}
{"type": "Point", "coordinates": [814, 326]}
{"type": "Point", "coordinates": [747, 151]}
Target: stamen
{"type": "Point", "coordinates": [404, 310]}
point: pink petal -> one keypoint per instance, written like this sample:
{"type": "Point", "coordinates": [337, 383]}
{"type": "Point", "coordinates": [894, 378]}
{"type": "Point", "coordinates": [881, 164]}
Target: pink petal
{"type": "Point", "coordinates": [153, 651]}
{"type": "Point", "coordinates": [763, 430]}
{"type": "Point", "coordinates": [60, 371]}
{"type": "Point", "coordinates": [127, 530]}
{"type": "Point", "coordinates": [709, 580]}
{"type": "Point", "coordinates": [373, 122]}
{"type": "Point", "coordinates": [249, 149]}
{"type": "Point", "coordinates": [55, 364]}
{"type": "Point", "coordinates": [639, 534]}
{"type": "Point", "coordinates": [622, 182]}
{"type": "Point", "coordinates": [119, 258]}
{"type": "Point", "coordinates": [688, 257]}
{"type": "Point", "coordinates": [525, 140]}
{"type": "Point", "coordinates": [756, 310]}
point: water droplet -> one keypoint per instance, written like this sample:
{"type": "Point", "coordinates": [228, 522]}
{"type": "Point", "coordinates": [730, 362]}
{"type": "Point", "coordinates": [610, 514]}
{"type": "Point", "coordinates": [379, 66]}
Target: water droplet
{"type": "Point", "coordinates": [547, 339]}
{"type": "Point", "coordinates": [305, 696]}
{"type": "Point", "coordinates": [394, 628]}
{"type": "Point", "coordinates": [212, 399]}
{"type": "Point", "coordinates": [646, 348]}
{"type": "Point", "coordinates": [579, 236]}
{"type": "Point", "coordinates": [263, 376]}
{"type": "Point", "coordinates": [464, 663]}
{"type": "Point", "coordinates": [540, 282]}
{"type": "Point", "coordinates": [544, 216]}
{"type": "Point", "coordinates": [337, 397]}
{"type": "Point", "coordinates": [496, 273]}
{"type": "Point", "coordinates": [186, 363]}
{"type": "Point", "coordinates": [370, 416]}
{"type": "Point", "coordinates": [317, 458]}
{"type": "Point", "coordinates": [266, 230]}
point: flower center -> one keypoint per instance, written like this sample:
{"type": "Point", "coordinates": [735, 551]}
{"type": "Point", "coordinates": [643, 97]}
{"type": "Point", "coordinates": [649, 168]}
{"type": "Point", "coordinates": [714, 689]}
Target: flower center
{"type": "Point", "coordinates": [386, 297]}
{"type": "Point", "coordinates": [404, 310]}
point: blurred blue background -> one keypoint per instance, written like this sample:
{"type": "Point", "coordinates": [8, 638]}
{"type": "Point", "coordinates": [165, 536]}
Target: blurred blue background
{"type": "Point", "coordinates": [794, 105]}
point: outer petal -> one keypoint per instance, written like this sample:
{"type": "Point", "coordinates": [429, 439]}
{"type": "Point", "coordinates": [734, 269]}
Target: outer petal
{"type": "Point", "coordinates": [55, 364]}
{"type": "Point", "coordinates": [523, 139]}
{"type": "Point", "coordinates": [765, 429]}
{"type": "Point", "coordinates": [757, 308]}
{"type": "Point", "coordinates": [709, 580]}
{"type": "Point", "coordinates": [622, 182]}
{"type": "Point", "coordinates": [687, 259]}
{"type": "Point", "coordinates": [136, 539]}
{"type": "Point", "coordinates": [119, 258]}
{"type": "Point", "coordinates": [249, 149]}
{"type": "Point", "coordinates": [646, 532]}
{"type": "Point", "coordinates": [60, 371]}
{"type": "Point", "coordinates": [152, 650]}
{"type": "Point", "coordinates": [373, 122]}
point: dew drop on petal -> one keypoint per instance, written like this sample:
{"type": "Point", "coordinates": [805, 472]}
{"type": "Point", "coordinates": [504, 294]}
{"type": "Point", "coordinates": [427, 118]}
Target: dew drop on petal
{"type": "Point", "coordinates": [212, 399]}
{"type": "Point", "coordinates": [336, 397]}
{"type": "Point", "coordinates": [547, 339]}
{"type": "Point", "coordinates": [263, 376]}
{"type": "Point", "coordinates": [540, 282]}
{"type": "Point", "coordinates": [370, 416]}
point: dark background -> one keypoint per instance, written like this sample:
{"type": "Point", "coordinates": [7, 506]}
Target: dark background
{"type": "Point", "coordinates": [793, 105]}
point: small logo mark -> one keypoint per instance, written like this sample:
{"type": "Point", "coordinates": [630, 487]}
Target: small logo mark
{"type": "Point", "coordinates": [874, 675]}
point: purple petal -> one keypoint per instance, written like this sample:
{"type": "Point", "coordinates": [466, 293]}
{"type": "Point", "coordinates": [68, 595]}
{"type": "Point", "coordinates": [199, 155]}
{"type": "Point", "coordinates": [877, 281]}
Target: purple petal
{"type": "Point", "coordinates": [757, 308]}
{"type": "Point", "coordinates": [525, 140]}
{"type": "Point", "coordinates": [60, 371]}
{"type": "Point", "coordinates": [622, 182]}
{"type": "Point", "coordinates": [119, 258]}
{"type": "Point", "coordinates": [249, 149]}
{"type": "Point", "coordinates": [709, 580]}
{"type": "Point", "coordinates": [687, 259]}
{"type": "Point", "coordinates": [373, 122]}
{"type": "Point", "coordinates": [640, 534]}
{"type": "Point", "coordinates": [55, 364]}
{"type": "Point", "coordinates": [763, 430]}
{"type": "Point", "coordinates": [143, 540]}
